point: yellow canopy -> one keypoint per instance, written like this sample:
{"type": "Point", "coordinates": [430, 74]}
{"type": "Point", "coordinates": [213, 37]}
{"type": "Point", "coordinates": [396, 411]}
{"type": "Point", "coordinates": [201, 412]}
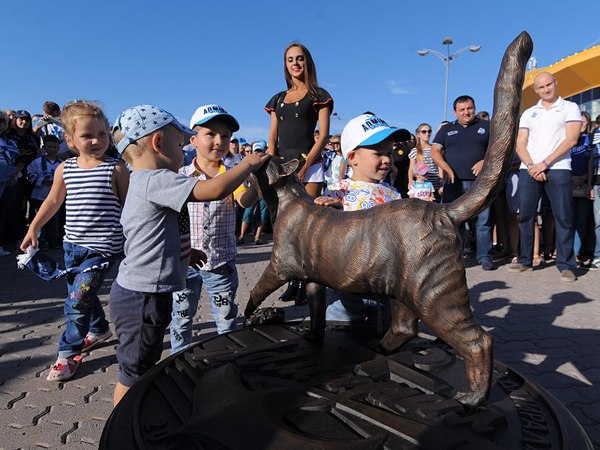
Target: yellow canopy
{"type": "Point", "coordinates": [576, 73]}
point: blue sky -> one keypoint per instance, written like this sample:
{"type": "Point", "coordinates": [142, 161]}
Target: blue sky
{"type": "Point", "coordinates": [182, 54]}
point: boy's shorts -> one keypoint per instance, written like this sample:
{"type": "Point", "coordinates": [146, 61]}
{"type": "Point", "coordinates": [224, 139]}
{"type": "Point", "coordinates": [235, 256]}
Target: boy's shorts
{"type": "Point", "coordinates": [140, 320]}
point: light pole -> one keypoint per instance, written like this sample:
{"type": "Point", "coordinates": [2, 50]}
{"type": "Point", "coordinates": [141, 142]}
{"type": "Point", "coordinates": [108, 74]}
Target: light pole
{"type": "Point", "coordinates": [447, 59]}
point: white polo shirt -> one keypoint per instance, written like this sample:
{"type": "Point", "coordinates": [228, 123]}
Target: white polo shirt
{"type": "Point", "coordinates": [547, 129]}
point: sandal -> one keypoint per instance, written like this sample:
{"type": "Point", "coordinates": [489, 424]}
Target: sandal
{"type": "Point", "coordinates": [92, 340]}
{"type": "Point", "coordinates": [64, 368]}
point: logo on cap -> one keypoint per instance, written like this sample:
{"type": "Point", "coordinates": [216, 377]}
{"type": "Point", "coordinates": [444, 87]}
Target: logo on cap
{"type": "Point", "coordinates": [374, 122]}
{"type": "Point", "coordinates": [214, 109]}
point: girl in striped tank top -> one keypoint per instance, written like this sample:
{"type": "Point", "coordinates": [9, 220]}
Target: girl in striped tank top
{"type": "Point", "coordinates": [93, 187]}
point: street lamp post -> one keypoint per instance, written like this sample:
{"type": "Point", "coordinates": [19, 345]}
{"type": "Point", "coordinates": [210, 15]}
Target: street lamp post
{"type": "Point", "coordinates": [447, 59]}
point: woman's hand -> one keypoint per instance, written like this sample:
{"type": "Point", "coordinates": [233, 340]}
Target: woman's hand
{"type": "Point", "coordinates": [302, 172]}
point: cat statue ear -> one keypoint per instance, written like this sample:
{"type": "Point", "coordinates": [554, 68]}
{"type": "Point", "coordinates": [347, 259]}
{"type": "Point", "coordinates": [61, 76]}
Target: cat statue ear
{"type": "Point", "coordinates": [289, 167]}
{"type": "Point", "coordinates": [278, 170]}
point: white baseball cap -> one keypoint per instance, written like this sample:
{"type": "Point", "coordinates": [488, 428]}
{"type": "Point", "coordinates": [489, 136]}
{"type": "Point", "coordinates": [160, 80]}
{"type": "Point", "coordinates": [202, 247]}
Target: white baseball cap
{"type": "Point", "coordinates": [208, 112]}
{"type": "Point", "coordinates": [366, 130]}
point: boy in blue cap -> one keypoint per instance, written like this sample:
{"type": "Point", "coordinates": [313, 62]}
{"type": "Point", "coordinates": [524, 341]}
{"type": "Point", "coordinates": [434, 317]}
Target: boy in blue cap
{"type": "Point", "coordinates": [212, 229]}
{"type": "Point", "coordinates": [157, 246]}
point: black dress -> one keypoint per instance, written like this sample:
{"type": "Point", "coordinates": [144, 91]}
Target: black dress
{"type": "Point", "coordinates": [297, 122]}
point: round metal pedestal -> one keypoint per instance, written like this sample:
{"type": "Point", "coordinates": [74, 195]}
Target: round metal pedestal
{"type": "Point", "coordinates": [268, 388]}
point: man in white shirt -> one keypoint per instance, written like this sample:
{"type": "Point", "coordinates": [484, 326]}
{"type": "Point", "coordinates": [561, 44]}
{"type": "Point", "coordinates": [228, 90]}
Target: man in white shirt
{"type": "Point", "coordinates": [547, 131]}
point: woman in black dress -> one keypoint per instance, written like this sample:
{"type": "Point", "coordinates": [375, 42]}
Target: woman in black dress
{"type": "Point", "coordinates": [294, 115]}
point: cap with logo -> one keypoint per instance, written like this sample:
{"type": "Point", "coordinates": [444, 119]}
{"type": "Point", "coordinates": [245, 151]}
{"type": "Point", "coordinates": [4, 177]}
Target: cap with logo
{"type": "Point", "coordinates": [366, 130]}
{"type": "Point", "coordinates": [259, 146]}
{"type": "Point", "coordinates": [142, 120]}
{"type": "Point", "coordinates": [208, 112]}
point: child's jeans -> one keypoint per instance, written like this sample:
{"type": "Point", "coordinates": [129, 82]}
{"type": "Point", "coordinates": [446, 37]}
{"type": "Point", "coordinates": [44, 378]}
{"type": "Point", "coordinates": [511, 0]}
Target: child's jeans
{"type": "Point", "coordinates": [349, 308]}
{"type": "Point", "coordinates": [83, 310]}
{"type": "Point", "coordinates": [221, 286]}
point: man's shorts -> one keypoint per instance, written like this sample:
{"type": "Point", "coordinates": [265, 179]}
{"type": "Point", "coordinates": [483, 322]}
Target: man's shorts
{"type": "Point", "coordinates": [140, 320]}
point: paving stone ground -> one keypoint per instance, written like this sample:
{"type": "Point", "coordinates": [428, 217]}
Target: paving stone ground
{"type": "Point", "coordinates": [547, 330]}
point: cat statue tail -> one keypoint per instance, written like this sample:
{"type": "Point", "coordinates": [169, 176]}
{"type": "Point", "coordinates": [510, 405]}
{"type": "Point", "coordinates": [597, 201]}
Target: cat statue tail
{"type": "Point", "coordinates": [507, 101]}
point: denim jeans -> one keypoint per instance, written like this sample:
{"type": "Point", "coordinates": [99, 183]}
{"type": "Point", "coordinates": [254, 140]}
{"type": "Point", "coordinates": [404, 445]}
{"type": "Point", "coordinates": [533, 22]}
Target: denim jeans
{"type": "Point", "coordinates": [257, 213]}
{"type": "Point", "coordinates": [559, 188]}
{"type": "Point", "coordinates": [582, 211]}
{"type": "Point", "coordinates": [83, 310]}
{"type": "Point", "coordinates": [221, 286]}
{"type": "Point", "coordinates": [597, 219]}
{"type": "Point", "coordinates": [483, 226]}
{"type": "Point", "coordinates": [349, 307]}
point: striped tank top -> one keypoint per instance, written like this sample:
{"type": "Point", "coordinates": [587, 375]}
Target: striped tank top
{"type": "Point", "coordinates": [93, 210]}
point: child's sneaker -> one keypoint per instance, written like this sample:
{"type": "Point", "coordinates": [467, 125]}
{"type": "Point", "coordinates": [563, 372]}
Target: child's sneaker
{"type": "Point", "coordinates": [92, 340]}
{"type": "Point", "coordinates": [64, 368]}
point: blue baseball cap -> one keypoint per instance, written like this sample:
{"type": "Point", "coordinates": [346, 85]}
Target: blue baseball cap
{"type": "Point", "coordinates": [142, 120]}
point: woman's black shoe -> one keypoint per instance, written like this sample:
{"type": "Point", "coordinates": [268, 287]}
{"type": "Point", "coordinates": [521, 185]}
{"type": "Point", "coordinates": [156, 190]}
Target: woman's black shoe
{"type": "Point", "coordinates": [301, 294]}
{"type": "Point", "coordinates": [290, 293]}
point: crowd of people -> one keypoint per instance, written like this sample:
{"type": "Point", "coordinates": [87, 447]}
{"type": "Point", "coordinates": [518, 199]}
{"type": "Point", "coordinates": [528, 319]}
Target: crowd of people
{"type": "Point", "coordinates": [172, 203]}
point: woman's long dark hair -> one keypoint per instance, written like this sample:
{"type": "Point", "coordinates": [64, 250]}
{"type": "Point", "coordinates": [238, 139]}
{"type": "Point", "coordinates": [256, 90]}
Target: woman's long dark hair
{"type": "Point", "coordinates": [310, 72]}
{"type": "Point", "coordinates": [589, 119]}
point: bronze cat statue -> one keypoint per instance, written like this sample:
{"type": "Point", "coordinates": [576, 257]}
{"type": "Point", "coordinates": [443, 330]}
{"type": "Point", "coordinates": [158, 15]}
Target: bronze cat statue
{"type": "Point", "coordinates": [409, 250]}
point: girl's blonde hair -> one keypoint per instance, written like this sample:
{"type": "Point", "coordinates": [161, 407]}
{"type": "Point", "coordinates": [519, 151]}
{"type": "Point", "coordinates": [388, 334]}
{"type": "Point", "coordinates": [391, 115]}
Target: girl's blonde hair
{"type": "Point", "coordinates": [80, 108]}
{"type": "Point", "coordinates": [419, 146]}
